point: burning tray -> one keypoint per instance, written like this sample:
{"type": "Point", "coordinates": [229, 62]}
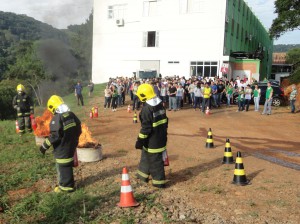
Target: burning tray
{"type": "Point", "coordinates": [90, 153]}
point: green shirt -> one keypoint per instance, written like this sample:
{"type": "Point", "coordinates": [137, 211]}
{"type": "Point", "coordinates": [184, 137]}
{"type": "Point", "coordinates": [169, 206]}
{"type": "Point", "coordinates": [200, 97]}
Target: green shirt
{"type": "Point", "coordinates": [268, 92]}
{"type": "Point", "coordinates": [256, 93]}
{"type": "Point", "coordinates": [229, 90]}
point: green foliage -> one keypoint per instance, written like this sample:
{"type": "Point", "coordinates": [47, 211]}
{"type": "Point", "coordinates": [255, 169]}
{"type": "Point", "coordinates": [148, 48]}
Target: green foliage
{"type": "Point", "coordinates": [293, 56]}
{"type": "Point", "coordinates": [288, 17]}
{"type": "Point", "coordinates": [49, 60]}
{"type": "Point", "coordinates": [7, 93]}
{"type": "Point", "coordinates": [284, 47]}
{"type": "Point", "coordinates": [295, 76]}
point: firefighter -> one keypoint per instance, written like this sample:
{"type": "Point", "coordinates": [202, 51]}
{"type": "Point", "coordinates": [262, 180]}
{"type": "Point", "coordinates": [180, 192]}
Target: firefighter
{"type": "Point", "coordinates": [65, 129]}
{"type": "Point", "coordinates": [24, 106]}
{"type": "Point", "coordinates": [152, 139]}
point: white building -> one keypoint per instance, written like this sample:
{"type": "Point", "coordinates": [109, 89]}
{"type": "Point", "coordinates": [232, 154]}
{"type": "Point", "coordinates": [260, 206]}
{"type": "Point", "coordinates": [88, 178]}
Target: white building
{"type": "Point", "coordinates": [173, 37]}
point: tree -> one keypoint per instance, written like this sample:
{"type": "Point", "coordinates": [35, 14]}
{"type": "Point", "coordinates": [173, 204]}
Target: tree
{"type": "Point", "coordinates": [293, 56]}
{"type": "Point", "coordinates": [288, 17]}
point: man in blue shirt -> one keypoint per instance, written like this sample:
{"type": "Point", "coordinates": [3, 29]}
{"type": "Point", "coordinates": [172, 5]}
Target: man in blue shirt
{"type": "Point", "coordinates": [78, 93]}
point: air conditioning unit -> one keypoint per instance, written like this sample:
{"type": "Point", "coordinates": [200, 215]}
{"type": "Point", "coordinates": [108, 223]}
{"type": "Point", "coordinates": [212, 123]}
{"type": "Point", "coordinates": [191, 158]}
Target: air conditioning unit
{"type": "Point", "coordinates": [226, 19]}
{"type": "Point", "coordinates": [120, 22]}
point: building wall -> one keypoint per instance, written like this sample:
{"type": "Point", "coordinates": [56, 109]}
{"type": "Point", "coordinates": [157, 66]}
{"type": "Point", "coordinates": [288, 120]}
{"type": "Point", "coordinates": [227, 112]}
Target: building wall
{"type": "Point", "coordinates": [244, 32]}
{"type": "Point", "coordinates": [190, 34]}
{"type": "Point", "coordinates": [183, 37]}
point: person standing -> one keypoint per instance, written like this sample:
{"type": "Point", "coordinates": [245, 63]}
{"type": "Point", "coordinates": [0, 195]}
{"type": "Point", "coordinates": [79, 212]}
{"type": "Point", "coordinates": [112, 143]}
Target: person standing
{"type": "Point", "coordinates": [78, 93]}
{"type": "Point", "coordinates": [229, 92]}
{"type": "Point", "coordinates": [268, 102]}
{"type": "Point", "coordinates": [65, 129]}
{"type": "Point", "coordinates": [114, 102]}
{"type": "Point", "coordinates": [206, 97]}
{"type": "Point", "coordinates": [107, 95]}
{"type": "Point", "coordinates": [91, 87]}
{"type": "Point", "coordinates": [256, 97]}
{"type": "Point", "coordinates": [248, 94]}
{"type": "Point", "coordinates": [152, 138]}
{"type": "Point", "coordinates": [293, 96]}
{"type": "Point", "coordinates": [179, 97]}
{"type": "Point", "coordinates": [24, 106]}
{"type": "Point", "coordinates": [241, 99]}
{"type": "Point", "coordinates": [172, 97]}
{"type": "Point", "coordinates": [136, 102]}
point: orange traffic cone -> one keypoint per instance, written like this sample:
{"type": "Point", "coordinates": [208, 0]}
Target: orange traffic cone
{"type": "Point", "coordinates": [126, 198]}
{"type": "Point", "coordinates": [165, 158]}
{"type": "Point", "coordinates": [17, 127]}
{"type": "Point", "coordinates": [207, 112]}
{"type": "Point", "coordinates": [128, 109]}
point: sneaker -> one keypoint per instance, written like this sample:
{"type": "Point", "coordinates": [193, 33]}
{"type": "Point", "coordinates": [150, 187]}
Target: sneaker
{"type": "Point", "coordinates": [262, 113]}
{"type": "Point", "coordinates": [57, 190]}
{"type": "Point", "coordinates": [268, 114]}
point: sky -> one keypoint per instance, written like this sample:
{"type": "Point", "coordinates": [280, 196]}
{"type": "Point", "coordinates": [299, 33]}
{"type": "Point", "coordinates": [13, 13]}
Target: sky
{"type": "Point", "coordinates": [61, 13]}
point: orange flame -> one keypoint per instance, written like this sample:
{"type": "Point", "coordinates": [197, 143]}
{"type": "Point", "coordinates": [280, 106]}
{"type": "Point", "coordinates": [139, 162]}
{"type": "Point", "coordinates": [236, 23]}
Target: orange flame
{"type": "Point", "coordinates": [85, 139]}
{"type": "Point", "coordinates": [43, 130]}
{"type": "Point", "coordinates": [43, 124]}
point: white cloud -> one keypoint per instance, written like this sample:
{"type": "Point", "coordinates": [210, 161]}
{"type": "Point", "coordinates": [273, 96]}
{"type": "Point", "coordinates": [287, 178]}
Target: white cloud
{"type": "Point", "coordinates": [57, 13]}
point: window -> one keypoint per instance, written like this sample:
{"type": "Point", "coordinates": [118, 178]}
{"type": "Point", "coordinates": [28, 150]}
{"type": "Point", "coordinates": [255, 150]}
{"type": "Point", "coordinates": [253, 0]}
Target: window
{"type": "Point", "coordinates": [239, 4]}
{"type": "Point", "coordinates": [150, 39]}
{"type": "Point", "coordinates": [237, 30]}
{"type": "Point", "coordinates": [151, 8]}
{"type": "Point", "coordinates": [204, 68]}
{"type": "Point", "coordinates": [116, 11]}
{"type": "Point", "coordinates": [190, 6]}
{"type": "Point", "coordinates": [173, 62]}
{"type": "Point", "coordinates": [242, 34]}
{"type": "Point", "coordinates": [232, 26]}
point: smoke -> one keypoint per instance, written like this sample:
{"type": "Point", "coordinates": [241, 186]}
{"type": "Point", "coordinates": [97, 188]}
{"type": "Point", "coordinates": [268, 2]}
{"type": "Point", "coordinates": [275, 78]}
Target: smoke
{"type": "Point", "coordinates": [60, 65]}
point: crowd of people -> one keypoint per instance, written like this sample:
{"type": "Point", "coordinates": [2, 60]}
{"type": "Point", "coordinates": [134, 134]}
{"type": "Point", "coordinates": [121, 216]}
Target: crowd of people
{"type": "Point", "coordinates": [199, 93]}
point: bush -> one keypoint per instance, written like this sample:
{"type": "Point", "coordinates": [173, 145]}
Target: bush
{"type": "Point", "coordinates": [7, 93]}
{"type": "Point", "coordinates": [295, 77]}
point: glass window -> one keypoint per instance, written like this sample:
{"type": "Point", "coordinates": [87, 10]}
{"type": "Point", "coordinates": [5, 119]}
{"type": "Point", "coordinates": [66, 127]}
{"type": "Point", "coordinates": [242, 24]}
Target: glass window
{"type": "Point", "coordinates": [117, 11]}
{"type": "Point", "coordinates": [206, 68]}
{"type": "Point", "coordinates": [150, 39]}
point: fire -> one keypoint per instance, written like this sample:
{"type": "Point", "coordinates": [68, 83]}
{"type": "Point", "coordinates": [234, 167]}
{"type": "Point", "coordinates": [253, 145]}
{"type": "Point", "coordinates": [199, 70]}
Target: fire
{"type": "Point", "coordinates": [85, 139]}
{"type": "Point", "coordinates": [43, 130]}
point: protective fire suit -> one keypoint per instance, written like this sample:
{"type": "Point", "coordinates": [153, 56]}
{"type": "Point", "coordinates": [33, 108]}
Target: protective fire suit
{"type": "Point", "coordinates": [152, 140]}
{"type": "Point", "coordinates": [65, 129]}
{"type": "Point", "coordinates": [24, 106]}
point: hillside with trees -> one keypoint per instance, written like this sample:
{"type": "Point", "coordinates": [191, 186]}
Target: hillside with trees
{"type": "Point", "coordinates": [285, 47]}
{"type": "Point", "coordinates": [44, 59]}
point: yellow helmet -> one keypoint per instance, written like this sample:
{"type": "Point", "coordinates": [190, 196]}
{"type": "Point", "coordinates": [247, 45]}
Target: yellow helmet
{"type": "Point", "coordinates": [20, 88]}
{"type": "Point", "coordinates": [54, 102]}
{"type": "Point", "coordinates": [145, 92]}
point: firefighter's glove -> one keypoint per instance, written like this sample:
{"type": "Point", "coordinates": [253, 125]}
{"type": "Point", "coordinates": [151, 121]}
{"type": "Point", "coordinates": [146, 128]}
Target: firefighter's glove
{"type": "Point", "coordinates": [139, 144]}
{"type": "Point", "coordinates": [42, 150]}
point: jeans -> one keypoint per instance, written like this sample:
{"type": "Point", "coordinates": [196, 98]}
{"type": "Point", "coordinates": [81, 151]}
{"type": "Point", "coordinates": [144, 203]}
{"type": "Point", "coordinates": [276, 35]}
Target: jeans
{"type": "Point", "coordinates": [247, 102]}
{"type": "Point", "coordinates": [228, 99]}
{"type": "Point", "coordinates": [178, 101]}
{"type": "Point", "coordinates": [241, 104]}
{"type": "Point", "coordinates": [256, 103]}
{"type": "Point", "coordinates": [107, 102]}
{"type": "Point", "coordinates": [192, 97]}
{"type": "Point", "coordinates": [114, 103]}
{"type": "Point", "coordinates": [172, 103]}
{"type": "Point", "coordinates": [197, 102]}
{"type": "Point", "coordinates": [205, 103]}
{"type": "Point", "coordinates": [136, 102]}
{"type": "Point", "coordinates": [268, 106]}
{"type": "Point", "coordinates": [119, 100]}
{"type": "Point", "coordinates": [216, 99]}
{"type": "Point", "coordinates": [292, 103]}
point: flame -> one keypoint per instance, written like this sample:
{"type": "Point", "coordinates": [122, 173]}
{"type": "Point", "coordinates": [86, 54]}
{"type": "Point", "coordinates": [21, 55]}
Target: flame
{"type": "Point", "coordinates": [85, 139]}
{"type": "Point", "coordinates": [43, 130]}
{"type": "Point", "coordinates": [43, 124]}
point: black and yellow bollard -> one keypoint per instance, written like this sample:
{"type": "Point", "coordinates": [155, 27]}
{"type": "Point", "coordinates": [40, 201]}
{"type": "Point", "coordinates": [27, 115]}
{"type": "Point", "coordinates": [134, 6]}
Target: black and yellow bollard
{"type": "Point", "coordinates": [228, 158]}
{"type": "Point", "coordinates": [239, 177]}
{"type": "Point", "coordinates": [135, 117]}
{"type": "Point", "coordinates": [209, 140]}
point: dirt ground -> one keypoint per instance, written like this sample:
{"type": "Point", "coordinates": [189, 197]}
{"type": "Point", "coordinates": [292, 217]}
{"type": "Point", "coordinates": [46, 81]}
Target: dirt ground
{"type": "Point", "coordinates": [199, 188]}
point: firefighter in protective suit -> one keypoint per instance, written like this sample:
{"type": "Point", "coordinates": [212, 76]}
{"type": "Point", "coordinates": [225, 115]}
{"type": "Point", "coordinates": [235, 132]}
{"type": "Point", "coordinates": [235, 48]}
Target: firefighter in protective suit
{"type": "Point", "coordinates": [152, 139]}
{"type": "Point", "coordinates": [65, 129]}
{"type": "Point", "coordinates": [24, 106]}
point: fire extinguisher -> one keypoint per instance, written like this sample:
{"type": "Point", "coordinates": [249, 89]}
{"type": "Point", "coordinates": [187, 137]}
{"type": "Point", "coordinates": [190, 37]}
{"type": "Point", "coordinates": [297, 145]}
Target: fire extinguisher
{"type": "Point", "coordinates": [75, 158]}
{"type": "Point", "coordinates": [96, 112]}
{"type": "Point", "coordinates": [33, 123]}
{"type": "Point", "coordinates": [17, 127]}
{"type": "Point", "coordinates": [91, 114]}
{"type": "Point", "coordinates": [165, 158]}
